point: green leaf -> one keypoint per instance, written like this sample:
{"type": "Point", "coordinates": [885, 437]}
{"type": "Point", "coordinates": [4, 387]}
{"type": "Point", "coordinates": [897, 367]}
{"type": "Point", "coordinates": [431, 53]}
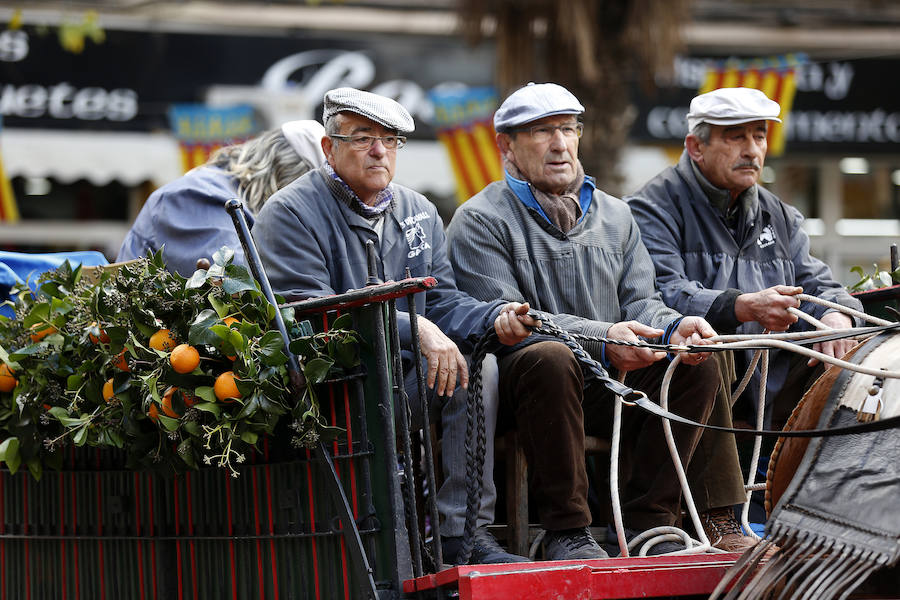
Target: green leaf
{"type": "Point", "coordinates": [206, 393]}
{"type": "Point", "coordinates": [345, 321]}
{"type": "Point", "coordinates": [204, 329]}
{"type": "Point", "coordinates": [73, 382]}
{"type": "Point", "coordinates": [29, 350]}
{"type": "Point", "coordinates": [186, 453]}
{"type": "Point", "coordinates": [80, 436]}
{"type": "Point", "coordinates": [220, 307]}
{"type": "Point", "coordinates": [223, 256]}
{"type": "Point", "coordinates": [9, 449]}
{"type": "Point", "coordinates": [35, 468]}
{"type": "Point", "coordinates": [237, 279]}
{"type": "Point", "coordinates": [210, 407]}
{"type": "Point", "coordinates": [250, 437]}
{"type": "Point", "coordinates": [197, 279]}
{"type": "Point", "coordinates": [168, 423]}
{"type": "Point", "coordinates": [316, 370]}
{"type": "Point", "coordinates": [249, 408]}
{"type": "Point", "coordinates": [271, 343]}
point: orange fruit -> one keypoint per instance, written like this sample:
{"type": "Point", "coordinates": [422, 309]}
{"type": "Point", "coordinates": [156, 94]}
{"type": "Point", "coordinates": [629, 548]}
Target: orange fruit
{"type": "Point", "coordinates": [108, 393]}
{"type": "Point", "coordinates": [121, 363]}
{"type": "Point", "coordinates": [225, 388]}
{"type": "Point", "coordinates": [229, 321]}
{"type": "Point", "coordinates": [40, 331]}
{"type": "Point", "coordinates": [167, 403]}
{"type": "Point", "coordinates": [163, 340]}
{"type": "Point", "coordinates": [153, 413]}
{"type": "Point", "coordinates": [189, 399]}
{"type": "Point", "coordinates": [103, 337]}
{"type": "Point", "coordinates": [7, 381]}
{"type": "Point", "coordinates": [184, 358]}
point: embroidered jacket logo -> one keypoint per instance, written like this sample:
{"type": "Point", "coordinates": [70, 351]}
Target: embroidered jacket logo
{"type": "Point", "coordinates": [415, 234]}
{"type": "Point", "coordinates": [766, 237]}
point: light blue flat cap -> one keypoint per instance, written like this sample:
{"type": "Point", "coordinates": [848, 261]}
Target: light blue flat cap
{"type": "Point", "coordinates": [535, 101]}
{"type": "Point", "coordinates": [732, 106]}
{"type": "Point", "coordinates": [380, 109]}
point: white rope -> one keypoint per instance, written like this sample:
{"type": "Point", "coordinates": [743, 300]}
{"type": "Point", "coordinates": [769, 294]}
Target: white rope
{"type": "Point", "coordinates": [614, 473]}
{"type": "Point", "coordinates": [757, 445]}
{"type": "Point", "coordinates": [844, 309]}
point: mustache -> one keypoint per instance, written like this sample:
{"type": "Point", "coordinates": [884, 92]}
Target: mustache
{"type": "Point", "coordinates": [752, 164]}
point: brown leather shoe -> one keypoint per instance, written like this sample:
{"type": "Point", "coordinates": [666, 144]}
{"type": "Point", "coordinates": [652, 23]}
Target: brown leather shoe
{"type": "Point", "coordinates": [724, 532]}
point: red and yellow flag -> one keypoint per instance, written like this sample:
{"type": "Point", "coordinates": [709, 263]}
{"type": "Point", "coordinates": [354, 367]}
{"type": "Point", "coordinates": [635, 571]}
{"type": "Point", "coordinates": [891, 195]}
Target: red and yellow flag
{"type": "Point", "coordinates": [465, 126]}
{"type": "Point", "coordinates": [201, 130]}
{"type": "Point", "coordinates": [774, 76]}
{"type": "Point", "coordinates": [9, 210]}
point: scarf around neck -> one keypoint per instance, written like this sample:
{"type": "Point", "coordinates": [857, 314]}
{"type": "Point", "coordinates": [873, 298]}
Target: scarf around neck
{"type": "Point", "coordinates": [383, 200]}
{"type": "Point", "coordinates": [564, 209]}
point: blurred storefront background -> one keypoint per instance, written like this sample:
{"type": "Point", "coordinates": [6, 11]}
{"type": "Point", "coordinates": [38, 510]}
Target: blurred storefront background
{"type": "Point", "coordinates": [87, 101]}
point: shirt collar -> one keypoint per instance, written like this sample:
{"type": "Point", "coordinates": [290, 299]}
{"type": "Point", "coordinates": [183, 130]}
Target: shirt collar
{"type": "Point", "coordinates": [384, 200]}
{"type": "Point", "coordinates": [721, 199]}
{"type": "Point", "coordinates": [522, 190]}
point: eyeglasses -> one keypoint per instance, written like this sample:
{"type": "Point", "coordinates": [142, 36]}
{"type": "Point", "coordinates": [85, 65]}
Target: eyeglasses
{"type": "Point", "coordinates": [364, 142]}
{"type": "Point", "coordinates": [543, 133]}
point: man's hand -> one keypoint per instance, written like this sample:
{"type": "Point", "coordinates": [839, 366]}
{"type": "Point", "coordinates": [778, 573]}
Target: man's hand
{"type": "Point", "coordinates": [512, 324]}
{"type": "Point", "coordinates": [445, 361]}
{"type": "Point", "coordinates": [835, 348]}
{"type": "Point", "coordinates": [692, 331]}
{"type": "Point", "coordinates": [769, 307]}
{"type": "Point", "coordinates": [629, 358]}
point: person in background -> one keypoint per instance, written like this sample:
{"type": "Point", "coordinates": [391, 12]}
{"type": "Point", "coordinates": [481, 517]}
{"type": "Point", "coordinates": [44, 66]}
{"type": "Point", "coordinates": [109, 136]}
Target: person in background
{"type": "Point", "coordinates": [187, 217]}
{"type": "Point", "coordinates": [730, 251]}
{"type": "Point", "coordinates": [547, 236]}
{"type": "Point", "coordinates": [312, 239]}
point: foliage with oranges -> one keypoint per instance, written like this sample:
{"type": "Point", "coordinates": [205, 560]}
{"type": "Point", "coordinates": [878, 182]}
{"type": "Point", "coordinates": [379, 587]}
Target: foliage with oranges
{"type": "Point", "coordinates": [173, 372]}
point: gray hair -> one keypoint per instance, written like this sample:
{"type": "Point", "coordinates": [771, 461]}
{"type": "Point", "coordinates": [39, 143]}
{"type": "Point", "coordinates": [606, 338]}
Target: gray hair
{"type": "Point", "coordinates": [333, 124]}
{"type": "Point", "coordinates": [262, 165]}
{"type": "Point", "coordinates": [702, 131]}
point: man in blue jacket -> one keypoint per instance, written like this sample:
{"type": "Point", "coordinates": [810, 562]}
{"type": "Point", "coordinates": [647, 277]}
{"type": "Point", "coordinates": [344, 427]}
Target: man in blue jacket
{"type": "Point", "coordinates": [312, 238]}
{"type": "Point", "coordinates": [729, 250]}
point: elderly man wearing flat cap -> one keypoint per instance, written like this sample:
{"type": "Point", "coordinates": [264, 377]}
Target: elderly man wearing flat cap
{"type": "Point", "coordinates": [312, 238]}
{"type": "Point", "coordinates": [547, 236]}
{"type": "Point", "coordinates": [729, 250]}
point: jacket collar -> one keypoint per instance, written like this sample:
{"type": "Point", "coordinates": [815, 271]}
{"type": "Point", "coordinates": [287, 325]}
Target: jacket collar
{"type": "Point", "coordinates": [523, 191]}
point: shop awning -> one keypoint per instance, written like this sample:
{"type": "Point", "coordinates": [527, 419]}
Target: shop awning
{"type": "Point", "coordinates": [131, 158]}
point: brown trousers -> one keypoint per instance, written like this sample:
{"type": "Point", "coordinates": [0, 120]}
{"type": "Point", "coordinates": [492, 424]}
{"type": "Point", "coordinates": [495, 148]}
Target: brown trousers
{"type": "Point", "coordinates": [542, 390]}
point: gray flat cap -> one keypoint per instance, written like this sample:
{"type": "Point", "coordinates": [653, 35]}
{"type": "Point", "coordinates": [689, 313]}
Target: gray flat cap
{"type": "Point", "coordinates": [380, 109]}
{"type": "Point", "coordinates": [732, 106]}
{"type": "Point", "coordinates": [535, 101]}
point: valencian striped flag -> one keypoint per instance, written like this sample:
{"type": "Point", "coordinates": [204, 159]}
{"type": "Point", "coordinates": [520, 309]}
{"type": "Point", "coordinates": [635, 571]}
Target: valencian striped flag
{"type": "Point", "coordinates": [464, 121]}
{"type": "Point", "coordinates": [9, 210]}
{"type": "Point", "coordinates": [774, 76]}
{"type": "Point", "coordinates": [201, 129]}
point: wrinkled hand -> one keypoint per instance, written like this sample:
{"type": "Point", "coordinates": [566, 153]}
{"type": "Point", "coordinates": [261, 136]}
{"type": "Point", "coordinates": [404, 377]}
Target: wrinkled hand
{"type": "Point", "coordinates": [835, 348]}
{"type": "Point", "coordinates": [512, 324]}
{"type": "Point", "coordinates": [628, 358]}
{"type": "Point", "coordinates": [445, 362]}
{"type": "Point", "coordinates": [769, 307]}
{"type": "Point", "coordinates": [693, 331]}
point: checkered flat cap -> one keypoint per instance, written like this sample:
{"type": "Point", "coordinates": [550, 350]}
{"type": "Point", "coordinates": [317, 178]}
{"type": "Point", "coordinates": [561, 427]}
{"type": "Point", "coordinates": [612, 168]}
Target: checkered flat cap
{"type": "Point", "coordinates": [380, 109]}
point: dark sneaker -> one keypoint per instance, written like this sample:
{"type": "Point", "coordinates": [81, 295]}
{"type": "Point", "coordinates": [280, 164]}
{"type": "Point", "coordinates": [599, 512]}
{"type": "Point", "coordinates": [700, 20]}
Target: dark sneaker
{"type": "Point", "coordinates": [612, 545]}
{"type": "Point", "coordinates": [485, 550]}
{"type": "Point", "coordinates": [572, 544]}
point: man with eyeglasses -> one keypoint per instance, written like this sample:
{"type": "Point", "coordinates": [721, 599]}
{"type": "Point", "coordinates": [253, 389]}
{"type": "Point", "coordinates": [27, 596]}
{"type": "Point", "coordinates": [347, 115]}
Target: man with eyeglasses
{"type": "Point", "coordinates": [312, 238]}
{"type": "Point", "coordinates": [545, 235]}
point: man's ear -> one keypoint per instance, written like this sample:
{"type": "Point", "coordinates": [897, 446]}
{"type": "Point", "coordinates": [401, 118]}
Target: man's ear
{"type": "Point", "coordinates": [692, 144]}
{"type": "Point", "coordinates": [327, 147]}
{"type": "Point", "coordinates": [503, 142]}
